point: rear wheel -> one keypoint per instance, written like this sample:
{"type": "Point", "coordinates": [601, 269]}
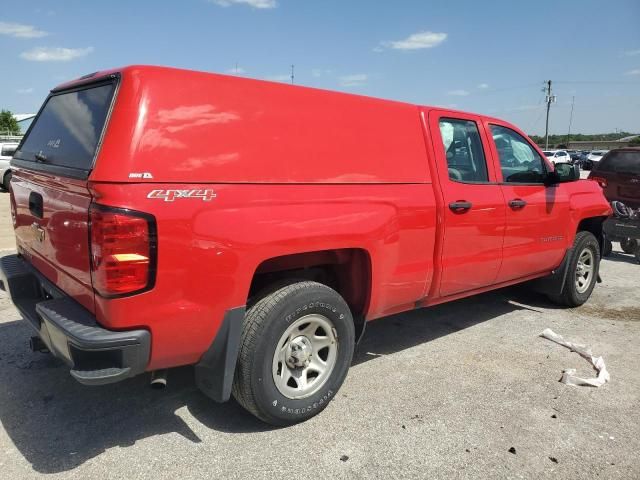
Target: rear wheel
{"type": "Point", "coordinates": [582, 274]}
{"type": "Point", "coordinates": [297, 346]}
{"type": "Point", "coordinates": [629, 245]}
{"type": "Point", "coordinates": [6, 181]}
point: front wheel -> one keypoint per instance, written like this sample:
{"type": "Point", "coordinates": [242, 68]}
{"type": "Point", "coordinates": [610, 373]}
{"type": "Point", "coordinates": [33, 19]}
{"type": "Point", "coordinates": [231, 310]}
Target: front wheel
{"type": "Point", "coordinates": [583, 268]}
{"type": "Point", "coordinates": [297, 345]}
{"type": "Point", "coordinates": [629, 245]}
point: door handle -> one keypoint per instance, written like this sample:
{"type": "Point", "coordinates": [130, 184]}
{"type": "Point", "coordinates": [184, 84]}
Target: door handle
{"type": "Point", "coordinates": [517, 203]}
{"type": "Point", "coordinates": [460, 207]}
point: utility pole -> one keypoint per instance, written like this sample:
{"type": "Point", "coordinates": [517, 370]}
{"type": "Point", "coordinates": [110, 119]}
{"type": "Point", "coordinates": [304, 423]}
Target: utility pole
{"type": "Point", "coordinates": [550, 100]}
{"type": "Point", "coordinates": [573, 99]}
{"type": "Point", "coordinates": [292, 73]}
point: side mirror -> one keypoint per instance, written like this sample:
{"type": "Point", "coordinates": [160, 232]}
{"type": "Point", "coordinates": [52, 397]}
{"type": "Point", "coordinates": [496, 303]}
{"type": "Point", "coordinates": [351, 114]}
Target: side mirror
{"type": "Point", "coordinates": [563, 173]}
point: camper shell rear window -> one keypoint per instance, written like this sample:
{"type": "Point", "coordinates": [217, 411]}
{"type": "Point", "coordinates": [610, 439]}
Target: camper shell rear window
{"type": "Point", "coordinates": [67, 132]}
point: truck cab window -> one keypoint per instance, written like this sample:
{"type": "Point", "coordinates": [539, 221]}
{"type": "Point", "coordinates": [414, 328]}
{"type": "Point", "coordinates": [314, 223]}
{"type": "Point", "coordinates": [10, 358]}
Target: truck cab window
{"type": "Point", "coordinates": [463, 149]}
{"type": "Point", "coordinates": [519, 162]}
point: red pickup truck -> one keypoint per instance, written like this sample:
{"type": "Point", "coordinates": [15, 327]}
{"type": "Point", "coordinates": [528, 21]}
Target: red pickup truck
{"type": "Point", "coordinates": [166, 217]}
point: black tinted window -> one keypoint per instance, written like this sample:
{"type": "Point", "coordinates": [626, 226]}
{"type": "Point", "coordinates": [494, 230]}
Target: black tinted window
{"type": "Point", "coordinates": [519, 161]}
{"type": "Point", "coordinates": [67, 131]}
{"type": "Point", "coordinates": [463, 148]}
{"type": "Point", "coordinates": [620, 162]}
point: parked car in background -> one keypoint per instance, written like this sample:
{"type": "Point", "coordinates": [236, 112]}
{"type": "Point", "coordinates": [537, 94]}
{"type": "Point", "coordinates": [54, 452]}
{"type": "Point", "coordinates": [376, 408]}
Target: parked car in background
{"type": "Point", "coordinates": [593, 158]}
{"type": "Point", "coordinates": [7, 149]}
{"type": "Point", "coordinates": [618, 173]}
{"type": "Point", "coordinates": [574, 154]}
{"type": "Point", "coordinates": [557, 156]}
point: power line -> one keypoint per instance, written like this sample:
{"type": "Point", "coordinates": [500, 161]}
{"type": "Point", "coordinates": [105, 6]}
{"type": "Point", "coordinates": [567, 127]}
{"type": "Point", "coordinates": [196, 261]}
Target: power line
{"type": "Point", "coordinates": [598, 82]}
{"type": "Point", "coordinates": [535, 122]}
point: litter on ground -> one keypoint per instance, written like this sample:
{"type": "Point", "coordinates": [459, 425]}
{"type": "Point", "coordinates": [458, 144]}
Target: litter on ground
{"type": "Point", "coordinates": [568, 376]}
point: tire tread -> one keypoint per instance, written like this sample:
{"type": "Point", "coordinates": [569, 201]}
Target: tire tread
{"type": "Point", "coordinates": [254, 322]}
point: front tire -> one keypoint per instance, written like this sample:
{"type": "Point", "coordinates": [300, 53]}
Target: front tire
{"type": "Point", "coordinates": [297, 346]}
{"type": "Point", "coordinates": [629, 245]}
{"type": "Point", "coordinates": [583, 269]}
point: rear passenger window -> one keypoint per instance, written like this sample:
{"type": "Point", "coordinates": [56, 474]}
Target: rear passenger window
{"type": "Point", "coordinates": [519, 162]}
{"type": "Point", "coordinates": [463, 149]}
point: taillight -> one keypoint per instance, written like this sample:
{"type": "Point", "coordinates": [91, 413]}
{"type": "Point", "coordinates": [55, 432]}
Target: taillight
{"type": "Point", "coordinates": [123, 251]}
{"type": "Point", "coordinates": [601, 181]}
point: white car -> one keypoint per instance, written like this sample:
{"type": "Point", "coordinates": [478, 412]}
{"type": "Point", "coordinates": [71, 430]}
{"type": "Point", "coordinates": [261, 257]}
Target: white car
{"type": "Point", "coordinates": [7, 149]}
{"type": "Point", "coordinates": [558, 156]}
{"type": "Point", "coordinates": [595, 156]}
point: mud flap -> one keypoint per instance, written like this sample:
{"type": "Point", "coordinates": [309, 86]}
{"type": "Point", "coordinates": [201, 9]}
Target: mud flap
{"type": "Point", "coordinates": [215, 371]}
{"type": "Point", "coordinates": [554, 284]}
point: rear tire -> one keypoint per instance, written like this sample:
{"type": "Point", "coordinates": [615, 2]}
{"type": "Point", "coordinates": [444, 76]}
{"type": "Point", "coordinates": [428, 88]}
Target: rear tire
{"type": "Point", "coordinates": [583, 269]}
{"type": "Point", "coordinates": [629, 245]}
{"type": "Point", "coordinates": [6, 181]}
{"type": "Point", "coordinates": [298, 335]}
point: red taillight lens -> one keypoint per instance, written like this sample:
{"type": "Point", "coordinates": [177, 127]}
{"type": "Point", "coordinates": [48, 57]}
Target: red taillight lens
{"type": "Point", "coordinates": [122, 251]}
{"type": "Point", "coordinates": [601, 181]}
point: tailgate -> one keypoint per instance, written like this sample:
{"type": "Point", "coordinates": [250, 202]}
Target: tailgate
{"type": "Point", "coordinates": [52, 231]}
{"type": "Point", "coordinates": [49, 192]}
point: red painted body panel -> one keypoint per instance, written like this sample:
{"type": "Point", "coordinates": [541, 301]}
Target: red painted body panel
{"type": "Point", "coordinates": [62, 255]}
{"type": "Point", "coordinates": [209, 252]}
{"type": "Point", "coordinates": [190, 126]}
{"type": "Point", "coordinates": [468, 264]}
{"type": "Point", "coordinates": [294, 170]}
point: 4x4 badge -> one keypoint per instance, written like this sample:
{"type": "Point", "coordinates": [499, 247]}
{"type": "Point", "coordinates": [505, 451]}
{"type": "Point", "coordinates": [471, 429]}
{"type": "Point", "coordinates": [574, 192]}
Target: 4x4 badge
{"type": "Point", "coordinates": [171, 195]}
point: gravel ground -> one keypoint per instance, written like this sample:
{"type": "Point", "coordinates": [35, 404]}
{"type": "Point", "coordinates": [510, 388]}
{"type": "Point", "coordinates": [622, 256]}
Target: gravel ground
{"type": "Point", "coordinates": [464, 390]}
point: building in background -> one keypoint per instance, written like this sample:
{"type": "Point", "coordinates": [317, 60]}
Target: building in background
{"type": "Point", "coordinates": [601, 144]}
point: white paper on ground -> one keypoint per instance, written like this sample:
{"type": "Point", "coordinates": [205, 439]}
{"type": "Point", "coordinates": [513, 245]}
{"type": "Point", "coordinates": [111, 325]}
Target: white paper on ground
{"type": "Point", "coordinates": [568, 375]}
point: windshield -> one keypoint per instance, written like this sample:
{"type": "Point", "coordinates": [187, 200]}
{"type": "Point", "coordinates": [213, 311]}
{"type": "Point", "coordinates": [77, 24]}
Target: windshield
{"type": "Point", "coordinates": [548, 154]}
{"type": "Point", "coordinates": [67, 131]}
{"type": "Point", "coordinates": [621, 162]}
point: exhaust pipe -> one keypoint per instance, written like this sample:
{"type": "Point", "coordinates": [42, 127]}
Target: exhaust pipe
{"type": "Point", "coordinates": [37, 345]}
{"type": "Point", "coordinates": [158, 379]}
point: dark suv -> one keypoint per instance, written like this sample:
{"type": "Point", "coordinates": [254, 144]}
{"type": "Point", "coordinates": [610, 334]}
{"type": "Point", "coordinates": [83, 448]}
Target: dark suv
{"type": "Point", "coordinates": [618, 173]}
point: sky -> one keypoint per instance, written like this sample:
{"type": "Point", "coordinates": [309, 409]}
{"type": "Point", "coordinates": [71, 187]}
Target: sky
{"type": "Point", "coordinates": [489, 57]}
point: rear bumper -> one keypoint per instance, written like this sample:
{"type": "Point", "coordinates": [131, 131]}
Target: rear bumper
{"type": "Point", "coordinates": [96, 356]}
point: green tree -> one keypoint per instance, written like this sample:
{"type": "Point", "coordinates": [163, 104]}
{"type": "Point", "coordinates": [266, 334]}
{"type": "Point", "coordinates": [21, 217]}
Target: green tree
{"type": "Point", "coordinates": [8, 124]}
{"type": "Point", "coordinates": [635, 142]}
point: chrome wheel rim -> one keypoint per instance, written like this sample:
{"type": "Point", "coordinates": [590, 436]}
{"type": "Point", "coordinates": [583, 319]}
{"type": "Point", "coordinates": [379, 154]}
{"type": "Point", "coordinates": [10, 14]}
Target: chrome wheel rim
{"type": "Point", "coordinates": [584, 270]}
{"type": "Point", "coordinates": [305, 356]}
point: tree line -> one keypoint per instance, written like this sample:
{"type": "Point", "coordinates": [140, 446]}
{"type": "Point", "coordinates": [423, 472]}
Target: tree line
{"type": "Point", "coordinates": [580, 137]}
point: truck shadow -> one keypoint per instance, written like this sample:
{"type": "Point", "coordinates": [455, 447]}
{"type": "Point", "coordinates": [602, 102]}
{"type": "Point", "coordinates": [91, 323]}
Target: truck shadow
{"type": "Point", "coordinates": [399, 332]}
{"type": "Point", "coordinates": [619, 257]}
{"type": "Point", "coordinates": [58, 425]}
